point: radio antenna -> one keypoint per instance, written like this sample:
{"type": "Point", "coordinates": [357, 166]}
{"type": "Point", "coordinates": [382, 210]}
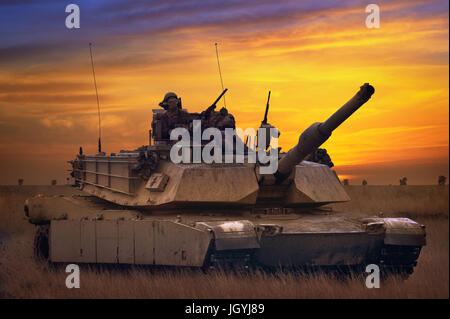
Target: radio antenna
{"type": "Point", "coordinates": [220, 74]}
{"type": "Point", "coordinates": [98, 103]}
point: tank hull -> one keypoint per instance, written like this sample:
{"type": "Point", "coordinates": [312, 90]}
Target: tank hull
{"type": "Point", "coordinates": [81, 230]}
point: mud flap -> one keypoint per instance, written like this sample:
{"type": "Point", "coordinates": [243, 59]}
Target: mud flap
{"type": "Point", "coordinates": [231, 235]}
{"type": "Point", "coordinates": [235, 242]}
{"type": "Point", "coordinates": [404, 232]}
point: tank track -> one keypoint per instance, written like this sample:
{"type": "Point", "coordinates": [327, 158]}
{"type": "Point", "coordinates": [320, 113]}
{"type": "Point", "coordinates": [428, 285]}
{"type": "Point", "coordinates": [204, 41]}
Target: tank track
{"type": "Point", "coordinates": [227, 259]}
{"type": "Point", "coordinates": [399, 260]}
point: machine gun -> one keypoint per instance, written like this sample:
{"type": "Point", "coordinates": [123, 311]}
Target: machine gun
{"type": "Point", "coordinates": [205, 114]}
{"type": "Point", "coordinates": [267, 111]}
{"type": "Point", "coordinates": [266, 126]}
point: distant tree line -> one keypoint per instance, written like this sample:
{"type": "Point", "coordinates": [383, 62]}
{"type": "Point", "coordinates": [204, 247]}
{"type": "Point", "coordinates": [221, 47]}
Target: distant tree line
{"type": "Point", "coordinates": [402, 181]}
{"type": "Point", "coordinates": [20, 182]}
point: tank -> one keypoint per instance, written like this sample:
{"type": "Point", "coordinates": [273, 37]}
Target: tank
{"type": "Point", "coordinates": [139, 207]}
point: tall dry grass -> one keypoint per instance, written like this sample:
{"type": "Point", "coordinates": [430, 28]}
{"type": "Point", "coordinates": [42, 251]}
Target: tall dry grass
{"type": "Point", "coordinates": [12, 200]}
{"type": "Point", "coordinates": [406, 201]}
{"type": "Point", "coordinates": [22, 277]}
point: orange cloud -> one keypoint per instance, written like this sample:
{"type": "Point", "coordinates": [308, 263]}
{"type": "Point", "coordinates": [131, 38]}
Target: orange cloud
{"type": "Point", "coordinates": [312, 61]}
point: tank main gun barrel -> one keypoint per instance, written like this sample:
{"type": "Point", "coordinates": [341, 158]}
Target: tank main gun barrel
{"type": "Point", "coordinates": [318, 133]}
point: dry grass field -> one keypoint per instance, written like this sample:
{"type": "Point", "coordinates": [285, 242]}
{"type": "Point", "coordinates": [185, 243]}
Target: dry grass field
{"type": "Point", "coordinates": [22, 277]}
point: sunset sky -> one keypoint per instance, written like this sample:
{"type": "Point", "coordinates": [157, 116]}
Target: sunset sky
{"type": "Point", "coordinates": [313, 56]}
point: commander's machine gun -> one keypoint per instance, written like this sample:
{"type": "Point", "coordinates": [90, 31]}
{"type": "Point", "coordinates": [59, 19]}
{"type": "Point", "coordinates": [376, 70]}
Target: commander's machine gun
{"type": "Point", "coordinates": [264, 121]}
{"type": "Point", "coordinates": [206, 114]}
{"type": "Point", "coordinates": [264, 125]}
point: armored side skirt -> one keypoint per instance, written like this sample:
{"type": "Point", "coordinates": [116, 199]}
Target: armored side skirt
{"type": "Point", "coordinates": [127, 242]}
{"type": "Point", "coordinates": [320, 249]}
{"type": "Point", "coordinates": [157, 242]}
